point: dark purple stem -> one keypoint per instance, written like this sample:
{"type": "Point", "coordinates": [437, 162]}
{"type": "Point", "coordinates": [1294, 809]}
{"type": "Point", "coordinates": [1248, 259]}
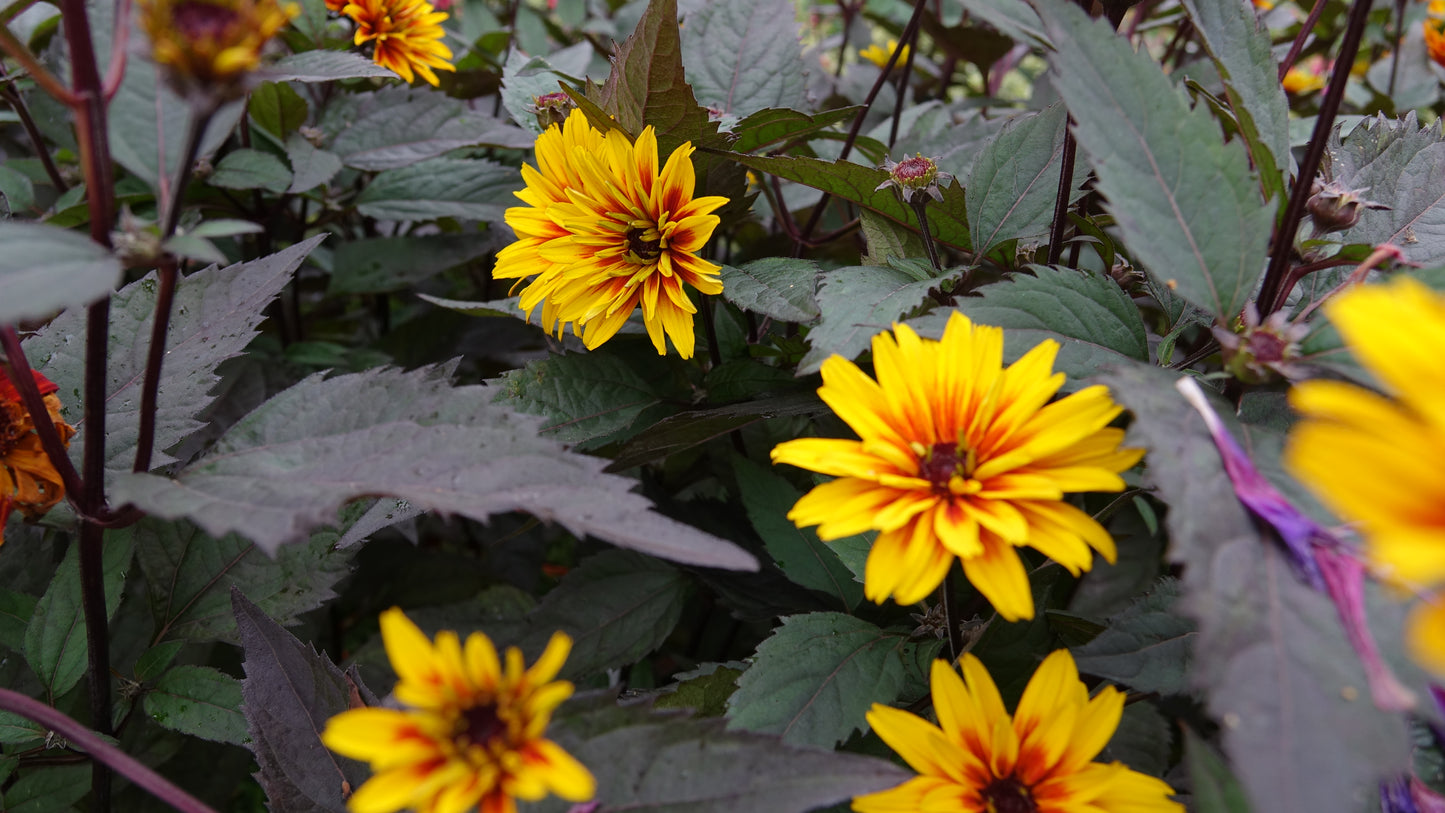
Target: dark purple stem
{"type": "Point", "coordinates": [1299, 40]}
{"type": "Point", "coordinates": [1061, 203]}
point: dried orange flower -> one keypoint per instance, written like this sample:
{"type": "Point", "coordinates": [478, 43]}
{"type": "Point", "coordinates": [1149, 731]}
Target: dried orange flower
{"type": "Point", "coordinates": [28, 480]}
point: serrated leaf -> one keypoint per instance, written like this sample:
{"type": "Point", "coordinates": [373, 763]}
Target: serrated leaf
{"type": "Point", "coordinates": [398, 131]}
{"type": "Point", "coordinates": [744, 56]}
{"type": "Point", "coordinates": [1270, 655]}
{"type": "Point", "coordinates": [277, 108]}
{"type": "Point", "coordinates": [646, 86]}
{"type": "Point", "coordinates": [289, 693]}
{"type": "Point", "coordinates": [779, 287]}
{"type": "Point", "coordinates": [1415, 221]}
{"type": "Point", "coordinates": [286, 468]}
{"type": "Point", "coordinates": [1187, 204]}
{"type": "Point", "coordinates": [310, 166]}
{"type": "Point", "coordinates": [766, 128]}
{"type": "Point", "coordinates": [189, 576]}
{"type": "Point", "coordinates": [858, 303]}
{"type": "Point", "coordinates": [1014, 182]}
{"type": "Point", "coordinates": [199, 701]}
{"type": "Point", "coordinates": [1146, 647]}
{"type": "Point", "coordinates": [324, 66]}
{"type": "Point", "coordinates": [214, 317]}
{"type": "Point", "coordinates": [798, 552]}
{"type": "Point", "coordinates": [812, 681]}
{"type": "Point", "coordinates": [586, 398]}
{"type": "Point", "coordinates": [1240, 47]}
{"type": "Point", "coordinates": [380, 264]}
{"type": "Point", "coordinates": [666, 763]}
{"type": "Point", "coordinates": [44, 269]}
{"type": "Point", "coordinates": [251, 169]}
{"type": "Point", "coordinates": [55, 638]}
{"type": "Point", "coordinates": [465, 188]}
{"type": "Point", "coordinates": [859, 184]}
{"type": "Point", "coordinates": [706, 694]}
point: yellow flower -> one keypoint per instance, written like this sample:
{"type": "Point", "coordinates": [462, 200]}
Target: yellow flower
{"type": "Point", "coordinates": [960, 457]}
{"type": "Point", "coordinates": [209, 45]}
{"type": "Point", "coordinates": [1376, 461]}
{"type": "Point", "coordinates": [1434, 26]}
{"type": "Point", "coordinates": [407, 36]}
{"type": "Point", "coordinates": [1306, 77]}
{"type": "Point", "coordinates": [28, 479]}
{"type": "Point", "coordinates": [977, 759]}
{"type": "Point", "coordinates": [605, 231]}
{"type": "Point", "coordinates": [472, 733]}
{"type": "Point", "coordinates": [879, 55]}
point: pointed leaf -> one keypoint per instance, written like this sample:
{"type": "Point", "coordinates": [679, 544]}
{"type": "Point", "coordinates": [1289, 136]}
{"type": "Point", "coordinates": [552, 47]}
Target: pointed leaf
{"type": "Point", "coordinates": [779, 287]}
{"type": "Point", "coordinates": [744, 56]}
{"type": "Point", "coordinates": [251, 169]}
{"type": "Point", "coordinates": [380, 264]}
{"type": "Point", "coordinates": [1012, 187]}
{"type": "Point", "coordinates": [56, 636]}
{"type": "Point", "coordinates": [858, 303]}
{"type": "Point", "coordinates": [44, 269]}
{"type": "Point", "coordinates": [586, 398]}
{"type": "Point", "coordinates": [464, 188]}
{"type": "Point", "coordinates": [396, 132]}
{"type": "Point", "coordinates": [324, 66]}
{"type": "Point", "coordinates": [290, 464]}
{"type": "Point", "coordinates": [814, 679]}
{"type": "Point", "coordinates": [647, 87]}
{"type": "Point", "coordinates": [1187, 204]}
{"type": "Point", "coordinates": [199, 701]}
{"type": "Point", "coordinates": [147, 122]}
{"type": "Point", "coordinates": [1147, 647]}
{"type": "Point", "coordinates": [773, 126]}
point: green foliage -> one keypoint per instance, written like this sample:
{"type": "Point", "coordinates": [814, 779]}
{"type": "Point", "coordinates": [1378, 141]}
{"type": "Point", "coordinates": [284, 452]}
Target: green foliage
{"type": "Point", "coordinates": [743, 57]}
{"type": "Point", "coordinates": [34, 254]}
{"type": "Point", "coordinates": [56, 635]}
{"type": "Point", "coordinates": [857, 303]}
{"type": "Point", "coordinates": [198, 700]}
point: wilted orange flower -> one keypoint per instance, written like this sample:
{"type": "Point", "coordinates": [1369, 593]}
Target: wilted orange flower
{"type": "Point", "coordinates": [28, 480]}
{"type": "Point", "coordinates": [406, 36]}
{"type": "Point", "coordinates": [979, 760]}
{"type": "Point", "coordinates": [605, 231]}
{"type": "Point", "coordinates": [960, 457]}
{"type": "Point", "coordinates": [472, 733]}
{"type": "Point", "coordinates": [208, 45]}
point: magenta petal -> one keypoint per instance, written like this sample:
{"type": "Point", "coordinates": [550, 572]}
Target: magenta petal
{"type": "Point", "coordinates": [1345, 582]}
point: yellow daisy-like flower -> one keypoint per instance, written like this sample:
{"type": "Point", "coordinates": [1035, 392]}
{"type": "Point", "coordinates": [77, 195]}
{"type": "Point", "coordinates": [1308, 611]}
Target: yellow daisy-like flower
{"type": "Point", "coordinates": [471, 736]}
{"type": "Point", "coordinates": [1306, 77]}
{"type": "Point", "coordinates": [208, 45]}
{"type": "Point", "coordinates": [1434, 26]}
{"type": "Point", "coordinates": [28, 480]}
{"type": "Point", "coordinates": [1376, 461]}
{"type": "Point", "coordinates": [978, 760]}
{"type": "Point", "coordinates": [605, 230]}
{"type": "Point", "coordinates": [879, 55]}
{"type": "Point", "coordinates": [960, 457]}
{"type": "Point", "coordinates": [406, 36]}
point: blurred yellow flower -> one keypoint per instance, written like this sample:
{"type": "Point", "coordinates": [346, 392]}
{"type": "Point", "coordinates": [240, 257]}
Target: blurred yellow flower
{"type": "Point", "coordinates": [979, 759]}
{"type": "Point", "coordinates": [471, 735]}
{"type": "Point", "coordinates": [406, 36]}
{"type": "Point", "coordinates": [960, 457]}
{"type": "Point", "coordinates": [1306, 77]}
{"type": "Point", "coordinates": [1434, 26]}
{"type": "Point", "coordinates": [28, 480]}
{"type": "Point", "coordinates": [879, 55]}
{"type": "Point", "coordinates": [1375, 461]}
{"type": "Point", "coordinates": [605, 231]}
{"type": "Point", "coordinates": [208, 45]}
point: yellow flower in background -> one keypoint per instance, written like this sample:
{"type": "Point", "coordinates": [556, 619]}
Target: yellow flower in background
{"type": "Point", "coordinates": [606, 231]}
{"type": "Point", "coordinates": [879, 55]}
{"type": "Point", "coordinates": [472, 733]}
{"type": "Point", "coordinates": [406, 36]}
{"type": "Point", "coordinates": [978, 759]}
{"type": "Point", "coordinates": [1434, 26]}
{"type": "Point", "coordinates": [960, 457]}
{"type": "Point", "coordinates": [1376, 461]}
{"type": "Point", "coordinates": [28, 480]}
{"type": "Point", "coordinates": [208, 45]}
{"type": "Point", "coordinates": [1306, 77]}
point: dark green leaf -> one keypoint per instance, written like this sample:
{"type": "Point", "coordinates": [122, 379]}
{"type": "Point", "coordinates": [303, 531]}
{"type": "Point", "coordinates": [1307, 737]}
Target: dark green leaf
{"type": "Point", "coordinates": [1147, 647]}
{"type": "Point", "coordinates": [586, 398]}
{"type": "Point", "coordinates": [289, 693]}
{"type": "Point", "coordinates": [380, 264]}
{"type": "Point", "coordinates": [1215, 788]}
{"type": "Point", "coordinates": [1015, 180]}
{"type": "Point", "coordinates": [859, 184]}
{"type": "Point", "coordinates": [324, 66]}
{"type": "Point", "coordinates": [148, 124]}
{"type": "Point", "coordinates": [463, 188]}
{"type": "Point", "coordinates": [1187, 204]}
{"type": "Point", "coordinates": [215, 316]}
{"type": "Point", "coordinates": [48, 789]}
{"type": "Point", "coordinates": [1142, 740]}
{"type": "Point", "coordinates": [44, 269]}
{"type": "Point", "coordinates": [15, 611]}
{"type": "Point", "coordinates": [766, 128]}
{"type": "Point", "coordinates": [748, 379]}
{"type": "Point", "coordinates": [199, 701]}
{"type": "Point", "coordinates": [798, 552]}
{"type": "Point", "coordinates": [744, 56]}
{"type": "Point", "coordinates": [277, 108]}
{"type": "Point", "coordinates": [397, 131]}
{"type": "Point", "coordinates": [251, 169]}
{"type": "Point", "coordinates": [696, 427]}
{"type": "Point", "coordinates": [55, 638]}
{"type": "Point", "coordinates": [310, 167]}
{"type": "Point", "coordinates": [707, 694]}
{"type": "Point", "coordinates": [15, 730]}
{"type": "Point", "coordinates": [858, 303]}
{"type": "Point", "coordinates": [290, 464]}
{"type": "Point", "coordinates": [774, 286]}
{"type": "Point", "coordinates": [190, 576]}
{"type": "Point", "coordinates": [814, 679]}
{"type": "Point", "coordinates": [17, 192]}
{"type": "Point", "coordinates": [887, 240]}
{"type": "Point", "coordinates": [155, 660]}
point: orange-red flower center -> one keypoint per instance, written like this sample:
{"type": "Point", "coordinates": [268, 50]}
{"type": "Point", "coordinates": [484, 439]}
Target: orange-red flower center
{"type": "Point", "coordinates": [12, 426]}
{"type": "Point", "coordinates": [203, 21]}
{"type": "Point", "coordinates": [942, 462]}
{"type": "Point", "coordinates": [481, 725]}
{"type": "Point", "coordinates": [643, 249]}
{"type": "Point", "coordinates": [1008, 795]}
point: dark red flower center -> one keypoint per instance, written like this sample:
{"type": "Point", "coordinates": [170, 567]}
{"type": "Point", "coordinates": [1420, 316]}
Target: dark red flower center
{"type": "Point", "coordinates": [914, 169]}
{"type": "Point", "coordinates": [643, 249]}
{"type": "Point", "coordinates": [12, 426]}
{"type": "Point", "coordinates": [203, 21]}
{"type": "Point", "coordinates": [556, 100]}
{"type": "Point", "coordinates": [1008, 795]}
{"type": "Point", "coordinates": [481, 725]}
{"type": "Point", "coordinates": [1268, 346]}
{"type": "Point", "coordinates": [942, 462]}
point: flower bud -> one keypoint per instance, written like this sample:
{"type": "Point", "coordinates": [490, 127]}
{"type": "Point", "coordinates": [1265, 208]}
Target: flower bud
{"type": "Point", "coordinates": [552, 108]}
{"type": "Point", "coordinates": [207, 47]}
{"type": "Point", "coordinates": [1334, 208]}
{"type": "Point", "coordinates": [915, 176]}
